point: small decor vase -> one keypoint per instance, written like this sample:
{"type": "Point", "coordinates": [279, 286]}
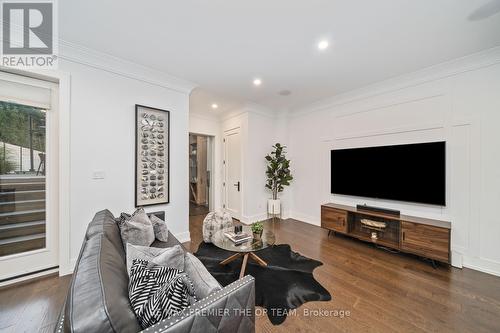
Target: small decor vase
{"type": "Point", "coordinates": [257, 235]}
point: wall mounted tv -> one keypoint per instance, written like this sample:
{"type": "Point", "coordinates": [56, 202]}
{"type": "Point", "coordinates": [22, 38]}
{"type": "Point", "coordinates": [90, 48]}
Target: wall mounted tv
{"type": "Point", "coordinates": [411, 172]}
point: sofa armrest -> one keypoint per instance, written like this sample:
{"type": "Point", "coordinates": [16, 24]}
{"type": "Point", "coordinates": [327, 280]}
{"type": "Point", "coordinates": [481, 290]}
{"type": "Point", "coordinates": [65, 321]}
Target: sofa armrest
{"type": "Point", "coordinates": [229, 310]}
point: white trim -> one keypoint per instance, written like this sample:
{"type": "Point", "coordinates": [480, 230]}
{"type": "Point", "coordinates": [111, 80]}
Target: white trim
{"type": "Point", "coordinates": [183, 237]}
{"type": "Point", "coordinates": [251, 108]}
{"type": "Point", "coordinates": [454, 67]}
{"type": "Point", "coordinates": [100, 60]}
{"type": "Point", "coordinates": [305, 218]}
{"type": "Point", "coordinates": [64, 112]}
{"type": "Point", "coordinates": [203, 116]}
{"type": "Point", "coordinates": [482, 265]}
{"type": "Point", "coordinates": [28, 277]}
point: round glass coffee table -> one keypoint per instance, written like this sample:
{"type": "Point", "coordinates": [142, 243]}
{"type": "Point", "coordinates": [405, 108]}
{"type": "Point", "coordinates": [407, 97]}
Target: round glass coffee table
{"type": "Point", "coordinates": [246, 249]}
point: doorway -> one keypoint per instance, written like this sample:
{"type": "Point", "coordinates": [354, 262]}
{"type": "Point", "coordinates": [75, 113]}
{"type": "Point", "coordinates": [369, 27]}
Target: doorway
{"type": "Point", "coordinates": [29, 240]}
{"type": "Point", "coordinates": [200, 174]}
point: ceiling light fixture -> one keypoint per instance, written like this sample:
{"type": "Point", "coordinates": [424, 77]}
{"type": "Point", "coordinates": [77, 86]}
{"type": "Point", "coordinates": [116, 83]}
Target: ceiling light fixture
{"type": "Point", "coordinates": [215, 106]}
{"type": "Point", "coordinates": [323, 45]}
{"type": "Point", "coordinates": [257, 82]}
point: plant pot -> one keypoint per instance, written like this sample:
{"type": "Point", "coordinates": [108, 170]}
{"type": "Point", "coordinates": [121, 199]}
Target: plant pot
{"type": "Point", "coordinates": [274, 206]}
{"type": "Point", "coordinates": [257, 235]}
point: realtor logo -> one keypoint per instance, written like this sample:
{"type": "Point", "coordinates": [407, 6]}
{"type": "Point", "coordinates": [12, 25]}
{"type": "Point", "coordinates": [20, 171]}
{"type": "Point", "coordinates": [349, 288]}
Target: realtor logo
{"type": "Point", "coordinates": [28, 34]}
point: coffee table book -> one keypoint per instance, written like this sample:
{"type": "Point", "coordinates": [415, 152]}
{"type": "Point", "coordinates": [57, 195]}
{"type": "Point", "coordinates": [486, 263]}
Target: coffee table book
{"type": "Point", "coordinates": [238, 238]}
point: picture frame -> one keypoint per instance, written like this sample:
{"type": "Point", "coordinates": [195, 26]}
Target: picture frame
{"type": "Point", "coordinates": [152, 156]}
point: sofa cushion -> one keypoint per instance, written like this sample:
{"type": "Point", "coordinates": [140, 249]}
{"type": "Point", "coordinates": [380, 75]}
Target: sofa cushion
{"type": "Point", "coordinates": [157, 292]}
{"type": "Point", "coordinates": [170, 256]}
{"type": "Point", "coordinates": [204, 283]}
{"type": "Point", "coordinates": [171, 242]}
{"type": "Point", "coordinates": [98, 295]}
{"type": "Point", "coordinates": [160, 228]}
{"type": "Point", "coordinates": [136, 229]}
{"type": "Point", "coordinates": [104, 223]}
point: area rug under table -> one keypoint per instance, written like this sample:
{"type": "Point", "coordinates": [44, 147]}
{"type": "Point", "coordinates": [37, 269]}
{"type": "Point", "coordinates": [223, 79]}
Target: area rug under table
{"type": "Point", "coordinates": [285, 284]}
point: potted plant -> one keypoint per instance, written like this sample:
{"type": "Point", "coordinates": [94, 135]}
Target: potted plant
{"type": "Point", "coordinates": [278, 176]}
{"type": "Point", "coordinates": [257, 229]}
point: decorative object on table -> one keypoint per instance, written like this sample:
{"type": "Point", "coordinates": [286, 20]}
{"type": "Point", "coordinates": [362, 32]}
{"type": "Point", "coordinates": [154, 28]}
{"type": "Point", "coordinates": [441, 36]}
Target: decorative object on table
{"type": "Point", "coordinates": [238, 238]}
{"type": "Point", "coordinates": [238, 229]}
{"type": "Point", "coordinates": [257, 229]}
{"type": "Point", "coordinates": [284, 284]}
{"type": "Point", "coordinates": [278, 176]}
{"type": "Point", "coordinates": [215, 221]}
{"type": "Point", "coordinates": [152, 144]}
{"type": "Point", "coordinates": [375, 227]}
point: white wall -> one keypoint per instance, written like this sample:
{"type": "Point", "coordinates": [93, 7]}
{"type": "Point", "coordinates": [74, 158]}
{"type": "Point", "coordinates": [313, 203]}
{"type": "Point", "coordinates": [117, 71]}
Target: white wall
{"type": "Point", "coordinates": [462, 108]}
{"type": "Point", "coordinates": [102, 112]}
{"type": "Point", "coordinates": [260, 129]}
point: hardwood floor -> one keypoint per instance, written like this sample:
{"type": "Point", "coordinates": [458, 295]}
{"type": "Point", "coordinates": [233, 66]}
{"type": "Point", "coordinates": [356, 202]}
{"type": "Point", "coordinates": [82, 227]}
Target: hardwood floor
{"type": "Point", "coordinates": [376, 291]}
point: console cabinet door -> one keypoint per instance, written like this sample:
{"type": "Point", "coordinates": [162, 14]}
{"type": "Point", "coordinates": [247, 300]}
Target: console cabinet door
{"type": "Point", "coordinates": [427, 241]}
{"type": "Point", "coordinates": [333, 219]}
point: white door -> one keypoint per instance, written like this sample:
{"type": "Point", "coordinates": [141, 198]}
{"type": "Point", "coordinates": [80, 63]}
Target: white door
{"type": "Point", "coordinates": [232, 181]}
{"type": "Point", "coordinates": [28, 176]}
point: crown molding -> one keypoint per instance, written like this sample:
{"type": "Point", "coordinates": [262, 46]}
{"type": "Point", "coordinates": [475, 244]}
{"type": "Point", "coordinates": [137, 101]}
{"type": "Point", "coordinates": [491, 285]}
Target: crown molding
{"type": "Point", "coordinates": [203, 116]}
{"type": "Point", "coordinates": [253, 108]}
{"type": "Point", "coordinates": [454, 67]}
{"type": "Point", "coordinates": [85, 56]}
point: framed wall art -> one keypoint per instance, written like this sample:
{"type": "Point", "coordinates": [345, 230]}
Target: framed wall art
{"type": "Point", "coordinates": [152, 156]}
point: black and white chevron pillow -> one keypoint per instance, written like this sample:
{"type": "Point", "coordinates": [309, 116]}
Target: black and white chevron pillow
{"type": "Point", "coordinates": [157, 292]}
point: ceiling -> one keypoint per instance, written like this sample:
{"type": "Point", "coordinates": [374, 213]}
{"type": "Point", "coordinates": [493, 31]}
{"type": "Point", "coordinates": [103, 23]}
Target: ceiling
{"type": "Point", "coordinates": [223, 45]}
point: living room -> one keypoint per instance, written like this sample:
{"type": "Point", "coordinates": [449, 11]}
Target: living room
{"type": "Point", "coordinates": [250, 166]}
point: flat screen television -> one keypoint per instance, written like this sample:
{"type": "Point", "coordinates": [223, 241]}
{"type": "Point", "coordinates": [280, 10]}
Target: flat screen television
{"type": "Point", "coordinates": [410, 172]}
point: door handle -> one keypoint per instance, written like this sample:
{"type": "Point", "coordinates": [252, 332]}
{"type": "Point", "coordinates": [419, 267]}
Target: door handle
{"type": "Point", "coordinates": [237, 185]}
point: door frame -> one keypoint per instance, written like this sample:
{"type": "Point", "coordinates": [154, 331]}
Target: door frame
{"type": "Point", "coordinates": [63, 103]}
{"type": "Point", "coordinates": [24, 264]}
{"type": "Point", "coordinates": [224, 167]}
{"type": "Point", "coordinates": [210, 166]}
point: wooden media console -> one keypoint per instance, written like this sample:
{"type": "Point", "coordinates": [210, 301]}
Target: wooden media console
{"type": "Point", "coordinates": [421, 236]}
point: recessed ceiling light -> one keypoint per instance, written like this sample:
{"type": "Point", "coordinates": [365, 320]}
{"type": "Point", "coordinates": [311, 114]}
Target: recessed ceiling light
{"type": "Point", "coordinates": [214, 106]}
{"type": "Point", "coordinates": [257, 82]}
{"type": "Point", "coordinates": [323, 45]}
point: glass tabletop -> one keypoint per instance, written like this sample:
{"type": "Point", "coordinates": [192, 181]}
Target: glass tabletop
{"type": "Point", "coordinates": [220, 240]}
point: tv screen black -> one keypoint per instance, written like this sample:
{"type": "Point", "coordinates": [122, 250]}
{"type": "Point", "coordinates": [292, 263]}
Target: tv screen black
{"type": "Point", "coordinates": [411, 172]}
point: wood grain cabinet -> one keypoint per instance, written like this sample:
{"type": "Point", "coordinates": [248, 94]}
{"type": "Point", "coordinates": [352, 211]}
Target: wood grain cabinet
{"type": "Point", "coordinates": [421, 236]}
{"type": "Point", "coordinates": [427, 241]}
{"type": "Point", "coordinates": [334, 219]}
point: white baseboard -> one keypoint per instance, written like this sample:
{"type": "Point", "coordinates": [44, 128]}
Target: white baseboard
{"type": "Point", "coordinates": [183, 237]}
{"type": "Point", "coordinates": [482, 265]}
{"type": "Point", "coordinates": [28, 277]}
{"type": "Point", "coordinates": [457, 259]}
{"type": "Point", "coordinates": [305, 218]}
{"type": "Point", "coordinates": [260, 217]}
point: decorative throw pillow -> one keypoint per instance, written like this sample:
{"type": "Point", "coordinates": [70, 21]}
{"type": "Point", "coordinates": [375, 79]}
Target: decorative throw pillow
{"type": "Point", "coordinates": [136, 229]}
{"type": "Point", "coordinates": [160, 228]}
{"type": "Point", "coordinates": [215, 221]}
{"type": "Point", "coordinates": [157, 292]}
{"type": "Point", "coordinates": [170, 256]}
{"type": "Point", "coordinates": [205, 283]}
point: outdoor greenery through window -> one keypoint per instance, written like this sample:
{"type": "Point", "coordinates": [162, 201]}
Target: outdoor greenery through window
{"type": "Point", "coordinates": [22, 178]}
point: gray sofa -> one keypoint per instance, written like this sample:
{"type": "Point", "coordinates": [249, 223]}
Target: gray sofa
{"type": "Point", "coordinates": [97, 299]}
